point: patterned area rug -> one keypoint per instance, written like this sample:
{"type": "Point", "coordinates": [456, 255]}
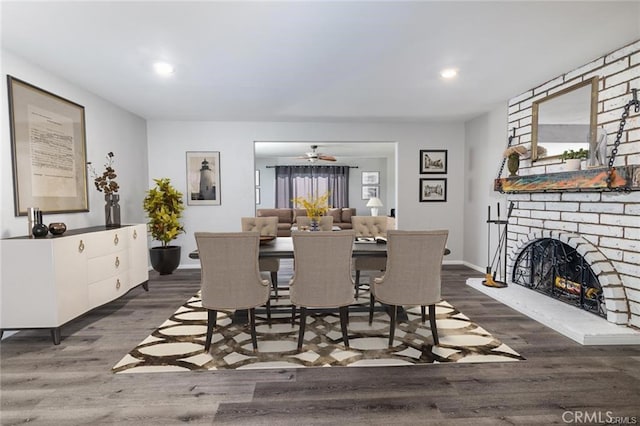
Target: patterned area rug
{"type": "Point", "coordinates": [178, 344]}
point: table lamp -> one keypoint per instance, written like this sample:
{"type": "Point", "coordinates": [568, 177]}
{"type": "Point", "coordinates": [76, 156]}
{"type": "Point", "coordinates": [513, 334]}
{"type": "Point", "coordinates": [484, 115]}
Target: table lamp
{"type": "Point", "coordinates": [374, 203]}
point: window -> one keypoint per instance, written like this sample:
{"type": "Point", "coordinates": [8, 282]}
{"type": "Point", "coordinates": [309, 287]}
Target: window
{"type": "Point", "coordinates": [312, 181]}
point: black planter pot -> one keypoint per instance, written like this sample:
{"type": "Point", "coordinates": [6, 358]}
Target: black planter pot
{"type": "Point", "coordinates": [165, 260]}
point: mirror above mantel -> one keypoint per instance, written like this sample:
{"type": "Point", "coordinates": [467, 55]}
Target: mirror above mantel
{"type": "Point", "coordinates": [565, 120]}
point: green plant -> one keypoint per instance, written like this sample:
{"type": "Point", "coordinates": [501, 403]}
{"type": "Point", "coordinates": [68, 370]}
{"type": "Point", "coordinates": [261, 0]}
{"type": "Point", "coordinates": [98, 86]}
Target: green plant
{"type": "Point", "coordinates": [164, 207]}
{"type": "Point", "coordinates": [581, 154]}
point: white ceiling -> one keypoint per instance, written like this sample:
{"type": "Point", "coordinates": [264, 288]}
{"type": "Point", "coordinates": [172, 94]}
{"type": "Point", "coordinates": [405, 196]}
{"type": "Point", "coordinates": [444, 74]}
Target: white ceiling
{"type": "Point", "coordinates": [343, 151]}
{"type": "Point", "coordinates": [314, 61]}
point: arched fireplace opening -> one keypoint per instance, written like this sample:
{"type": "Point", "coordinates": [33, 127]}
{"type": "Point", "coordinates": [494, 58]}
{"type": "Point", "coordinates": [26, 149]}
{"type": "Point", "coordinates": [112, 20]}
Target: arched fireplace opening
{"type": "Point", "coordinates": [557, 270]}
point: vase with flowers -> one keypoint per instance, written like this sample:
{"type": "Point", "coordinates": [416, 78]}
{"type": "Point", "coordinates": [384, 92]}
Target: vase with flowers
{"type": "Point", "coordinates": [513, 154]}
{"type": "Point", "coordinates": [315, 207]}
{"type": "Point", "coordinates": [106, 182]}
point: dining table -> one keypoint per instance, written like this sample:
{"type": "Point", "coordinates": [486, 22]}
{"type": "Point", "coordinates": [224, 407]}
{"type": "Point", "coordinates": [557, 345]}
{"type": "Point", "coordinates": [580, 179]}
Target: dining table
{"type": "Point", "coordinates": [282, 248]}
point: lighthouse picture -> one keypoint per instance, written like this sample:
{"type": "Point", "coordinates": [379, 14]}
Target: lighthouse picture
{"type": "Point", "coordinates": [203, 178]}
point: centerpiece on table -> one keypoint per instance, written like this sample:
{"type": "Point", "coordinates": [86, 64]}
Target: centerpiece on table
{"type": "Point", "coordinates": [106, 182]}
{"type": "Point", "coordinates": [315, 207]}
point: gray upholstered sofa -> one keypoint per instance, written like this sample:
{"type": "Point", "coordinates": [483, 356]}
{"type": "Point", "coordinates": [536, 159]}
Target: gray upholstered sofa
{"type": "Point", "coordinates": [287, 217]}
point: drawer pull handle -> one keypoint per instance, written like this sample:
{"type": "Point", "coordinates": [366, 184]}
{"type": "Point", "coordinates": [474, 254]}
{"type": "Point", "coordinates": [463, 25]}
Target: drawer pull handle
{"type": "Point", "coordinates": [118, 284]}
{"type": "Point", "coordinates": [81, 246]}
{"type": "Point", "coordinates": [117, 261]}
{"type": "Point", "coordinates": [135, 234]}
{"type": "Point", "coordinates": [116, 240]}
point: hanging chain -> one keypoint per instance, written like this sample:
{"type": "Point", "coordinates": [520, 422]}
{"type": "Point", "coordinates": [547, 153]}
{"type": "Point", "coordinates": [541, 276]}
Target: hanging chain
{"type": "Point", "coordinates": [504, 159]}
{"type": "Point", "coordinates": [614, 150]}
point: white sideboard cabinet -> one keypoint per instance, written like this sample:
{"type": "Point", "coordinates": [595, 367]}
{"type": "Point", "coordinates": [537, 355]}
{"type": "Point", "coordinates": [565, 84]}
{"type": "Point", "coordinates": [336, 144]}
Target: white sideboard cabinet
{"type": "Point", "coordinates": [47, 282]}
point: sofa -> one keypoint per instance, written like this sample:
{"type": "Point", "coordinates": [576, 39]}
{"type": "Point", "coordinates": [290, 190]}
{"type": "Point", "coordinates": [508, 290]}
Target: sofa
{"type": "Point", "coordinates": [287, 217]}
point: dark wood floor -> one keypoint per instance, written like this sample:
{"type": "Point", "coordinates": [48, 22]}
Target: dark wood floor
{"type": "Point", "coordinates": [72, 383]}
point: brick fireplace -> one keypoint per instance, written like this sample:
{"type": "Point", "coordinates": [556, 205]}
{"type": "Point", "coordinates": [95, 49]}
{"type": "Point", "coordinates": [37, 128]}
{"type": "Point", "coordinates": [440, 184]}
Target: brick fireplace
{"type": "Point", "coordinates": [603, 226]}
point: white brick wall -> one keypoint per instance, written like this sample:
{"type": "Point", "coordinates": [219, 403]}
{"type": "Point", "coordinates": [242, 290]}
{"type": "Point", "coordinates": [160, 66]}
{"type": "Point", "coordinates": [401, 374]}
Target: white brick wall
{"type": "Point", "coordinates": [604, 227]}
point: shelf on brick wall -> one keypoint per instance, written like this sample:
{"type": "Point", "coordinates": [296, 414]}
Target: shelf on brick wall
{"type": "Point", "coordinates": [581, 180]}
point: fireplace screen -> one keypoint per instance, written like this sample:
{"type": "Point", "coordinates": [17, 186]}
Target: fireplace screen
{"type": "Point", "coordinates": [556, 269]}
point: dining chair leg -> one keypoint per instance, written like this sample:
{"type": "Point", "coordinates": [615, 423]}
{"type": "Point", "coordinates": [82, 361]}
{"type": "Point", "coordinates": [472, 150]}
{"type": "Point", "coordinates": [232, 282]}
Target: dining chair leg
{"type": "Point", "coordinates": [357, 283]}
{"type": "Point", "coordinates": [432, 323]}
{"type": "Point", "coordinates": [392, 326]}
{"type": "Point", "coordinates": [424, 314]}
{"type": "Point", "coordinates": [303, 322]}
{"type": "Point", "coordinates": [274, 282]}
{"type": "Point", "coordinates": [372, 301]}
{"type": "Point", "coordinates": [293, 315]}
{"type": "Point", "coordinates": [211, 323]}
{"type": "Point", "coordinates": [268, 304]}
{"type": "Point", "coordinates": [252, 321]}
{"type": "Point", "coordinates": [344, 320]}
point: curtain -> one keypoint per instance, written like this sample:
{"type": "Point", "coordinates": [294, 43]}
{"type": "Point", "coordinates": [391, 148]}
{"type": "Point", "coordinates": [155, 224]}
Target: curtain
{"type": "Point", "coordinates": [311, 182]}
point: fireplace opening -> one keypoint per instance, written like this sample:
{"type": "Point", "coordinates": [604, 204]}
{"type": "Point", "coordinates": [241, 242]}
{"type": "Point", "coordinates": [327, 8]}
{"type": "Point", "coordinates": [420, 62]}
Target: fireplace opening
{"type": "Point", "coordinates": [557, 270]}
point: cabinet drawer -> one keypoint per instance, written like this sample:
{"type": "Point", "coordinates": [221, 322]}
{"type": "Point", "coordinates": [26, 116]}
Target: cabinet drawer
{"type": "Point", "coordinates": [104, 291]}
{"type": "Point", "coordinates": [101, 243]}
{"type": "Point", "coordinates": [103, 267]}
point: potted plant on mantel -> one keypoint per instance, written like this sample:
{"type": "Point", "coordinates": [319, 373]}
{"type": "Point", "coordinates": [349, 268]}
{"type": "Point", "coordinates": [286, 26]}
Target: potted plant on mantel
{"type": "Point", "coordinates": [164, 207]}
{"type": "Point", "coordinates": [572, 159]}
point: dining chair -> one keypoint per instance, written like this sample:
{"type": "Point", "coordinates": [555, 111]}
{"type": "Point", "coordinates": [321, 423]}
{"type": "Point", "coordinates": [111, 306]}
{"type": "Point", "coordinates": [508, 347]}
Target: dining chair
{"type": "Point", "coordinates": [266, 226]}
{"type": "Point", "coordinates": [412, 277]}
{"type": "Point", "coordinates": [325, 223]}
{"type": "Point", "coordinates": [322, 275]}
{"type": "Point", "coordinates": [368, 226]}
{"type": "Point", "coordinates": [230, 278]}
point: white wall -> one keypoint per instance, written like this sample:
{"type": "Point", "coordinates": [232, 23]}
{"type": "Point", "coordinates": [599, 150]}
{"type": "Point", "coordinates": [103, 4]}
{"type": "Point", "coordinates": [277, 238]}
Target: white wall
{"type": "Point", "coordinates": [108, 128]}
{"type": "Point", "coordinates": [169, 140]}
{"type": "Point", "coordinates": [485, 140]}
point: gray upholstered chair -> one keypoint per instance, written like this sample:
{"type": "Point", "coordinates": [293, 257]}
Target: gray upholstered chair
{"type": "Point", "coordinates": [322, 275]}
{"type": "Point", "coordinates": [266, 226]}
{"type": "Point", "coordinates": [325, 224]}
{"type": "Point", "coordinates": [412, 278]}
{"type": "Point", "coordinates": [368, 226]}
{"type": "Point", "coordinates": [230, 277]}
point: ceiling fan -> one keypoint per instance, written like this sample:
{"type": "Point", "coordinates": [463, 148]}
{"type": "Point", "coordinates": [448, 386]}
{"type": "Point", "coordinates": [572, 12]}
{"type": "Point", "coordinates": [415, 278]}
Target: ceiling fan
{"type": "Point", "coordinates": [313, 156]}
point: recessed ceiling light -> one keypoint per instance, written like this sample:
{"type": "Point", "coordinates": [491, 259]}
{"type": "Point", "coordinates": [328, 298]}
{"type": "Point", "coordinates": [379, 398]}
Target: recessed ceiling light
{"type": "Point", "coordinates": [449, 73]}
{"type": "Point", "coordinates": [163, 68]}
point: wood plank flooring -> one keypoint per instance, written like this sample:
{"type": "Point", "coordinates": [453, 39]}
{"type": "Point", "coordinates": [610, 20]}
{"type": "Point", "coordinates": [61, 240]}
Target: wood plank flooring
{"type": "Point", "coordinates": [72, 383]}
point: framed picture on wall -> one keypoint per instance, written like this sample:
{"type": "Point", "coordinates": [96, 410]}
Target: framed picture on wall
{"type": "Point", "coordinates": [370, 178]}
{"type": "Point", "coordinates": [370, 191]}
{"type": "Point", "coordinates": [257, 177]}
{"type": "Point", "coordinates": [203, 178]}
{"type": "Point", "coordinates": [433, 190]}
{"type": "Point", "coordinates": [257, 195]}
{"type": "Point", "coordinates": [433, 161]}
{"type": "Point", "coordinates": [48, 147]}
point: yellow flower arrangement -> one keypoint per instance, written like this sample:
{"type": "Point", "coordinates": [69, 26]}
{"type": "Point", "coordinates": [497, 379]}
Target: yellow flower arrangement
{"type": "Point", "coordinates": [315, 207]}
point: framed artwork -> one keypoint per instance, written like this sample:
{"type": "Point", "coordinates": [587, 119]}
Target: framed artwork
{"type": "Point", "coordinates": [203, 178]}
{"type": "Point", "coordinates": [370, 178]}
{"type": "Point", "coordinates": [257, 177]}
{"type": "Point", "coordinates": [433, 161]}
{"type": "Point", "coordinates": [433, 190]}
{"type": "Point", "coordinates": [370, 191]}
{"type": "Point", "coordinates": [48, 147]}
{"type": "Point", "coordinates": [257, 195]}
